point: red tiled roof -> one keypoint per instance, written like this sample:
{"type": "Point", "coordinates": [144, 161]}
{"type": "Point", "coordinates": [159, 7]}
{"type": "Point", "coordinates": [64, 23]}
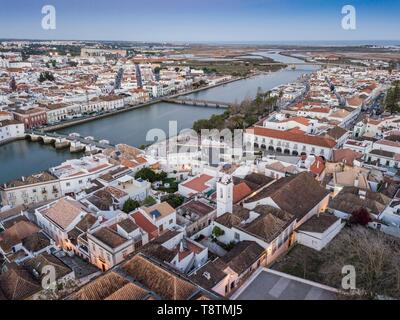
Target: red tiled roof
{"type": "Point", "coordinates": [240, 191]}
{"type": "Point", "coordinates": [198, 183]}
{"type": "Point", "coordinates": [301, 120]}
{"type": "Point", "coordinates": [294, 137]}
{"type": "Point", "coordinates": [318, 166]}
{"type": "Point", "coordinates": [145, 224]}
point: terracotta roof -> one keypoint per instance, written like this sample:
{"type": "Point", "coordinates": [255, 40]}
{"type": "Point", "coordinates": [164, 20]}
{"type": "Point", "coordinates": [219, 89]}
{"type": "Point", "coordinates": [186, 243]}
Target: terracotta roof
{"type": "Point", "coordinates": [214, 275]}
{"type": "Point", "coordinates": [128, 225]}
{"type": "Point", "coordinates": [348, 200]}
{"type": "Point", "coordinates": [296, 195]}
{"type": "Point", "coordinates": [336, 132]}
{"type": "Point", "coordinates": [64, 212]}
{"type": "Point", "coordinates": [36, 242]}
{"type": "Point", "coordinates": [18, 284]}
{"type": "Point", "coordinates": [37, 263]}
{"type": "Point", "coordinates": [318, 166]}
{"type": "Point", "coordinates": [163, 208]}
{"type": "Point", "coordinates": [319, 223]}
{"type": "Point", "coordinates": [110, 286]}
{"type": "Point", "coordinates": [241, 191]}
{"type": "Point", "coordinates": [109, 237]}
{"type": "Point", "coordinates": [16, 234]}
{"type": "Point", "coordinates": [129, 291]}
{"type": "Point", "coordinates": [197, 207]}
{"type": "Point", "coordinates": [301, 120]}
{"type": "Point", "coordinates": [243, 256]}
{"type": "Point", "coordinates": [117, 193]}
{"type": "Point", "coordinates": [346, 156]}
{"type": "Point", "coordinates": [145, 224]}
{"type": "Point", "coordinates": [165, 284]}
{"type": "Point", "coordinates": [198, 183]}
{"type": "Point", "coordinates": [355, 101]}
{"type": "Point", "coordinates": [294, 137]}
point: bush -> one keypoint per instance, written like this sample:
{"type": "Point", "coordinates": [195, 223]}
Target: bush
{"type": "Point", "coordinates": [217, 232]}
{"type": "Point", "coordinates": [146, 174]}
{"type": "Point", "coordinates": [130, 205]}
{"type": "Point", "coordinates": [174, 200]}
{"type": "Point", "coordinates": [149, 201]}
{"type": "Point", "coordinates": [360, 216]}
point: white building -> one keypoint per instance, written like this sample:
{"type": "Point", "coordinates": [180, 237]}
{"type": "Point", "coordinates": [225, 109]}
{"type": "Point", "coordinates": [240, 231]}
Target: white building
{"type": "Point", "coordinates": [11, 129]}
{"type": "Point", "coordinates": [76, 174]}
{"type": "Point", "coordinates": [60, 217]}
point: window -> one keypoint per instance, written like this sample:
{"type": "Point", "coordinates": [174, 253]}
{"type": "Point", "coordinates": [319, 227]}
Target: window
{"type": "Point", "coordinates": [237, 236]}
{"type": "Point", "coordinates": [68, 184]}
{"type": "Point", "coordinates": [171, 221]}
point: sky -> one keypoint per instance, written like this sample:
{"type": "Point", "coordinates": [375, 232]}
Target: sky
{"type": "Point", "coordinates": [201, 20]}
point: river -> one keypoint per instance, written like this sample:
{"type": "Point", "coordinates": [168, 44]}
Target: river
{"type": "Point", "coordinates": [24, 158]}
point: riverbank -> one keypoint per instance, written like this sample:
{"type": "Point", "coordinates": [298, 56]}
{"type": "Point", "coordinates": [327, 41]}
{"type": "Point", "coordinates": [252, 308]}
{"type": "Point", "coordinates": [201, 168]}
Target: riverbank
{"type": "Point", "coordinates": [24, 158]}
{"type": "Point", "coordinates": [4, 142]}
{"type": "Point", "coordinates": [71, 123]}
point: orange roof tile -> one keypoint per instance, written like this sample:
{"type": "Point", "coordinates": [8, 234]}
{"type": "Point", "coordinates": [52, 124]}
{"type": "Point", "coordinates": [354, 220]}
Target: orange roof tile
{"type": "Point", "coordinates": [198, 183]}
{"type": "Point", "coordinates": [295, 137]}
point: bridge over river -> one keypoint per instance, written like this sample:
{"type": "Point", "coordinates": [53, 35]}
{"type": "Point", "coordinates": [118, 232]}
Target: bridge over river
{"type": "Point", "coordinates": [73, 141]}
{"type": "Point", "coordinates": [199, 103]}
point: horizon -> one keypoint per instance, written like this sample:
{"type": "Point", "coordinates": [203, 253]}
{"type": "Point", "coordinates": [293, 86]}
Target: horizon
{"type": "Point", "coordinates": [181, 21]}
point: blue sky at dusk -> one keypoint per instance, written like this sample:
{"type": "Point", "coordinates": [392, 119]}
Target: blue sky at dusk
{"type": "Point", "coordinates": [201, 20]}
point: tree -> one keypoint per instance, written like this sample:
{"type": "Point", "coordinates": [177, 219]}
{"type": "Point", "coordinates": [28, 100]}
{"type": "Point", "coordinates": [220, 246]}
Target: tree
{"type": "Point", "coordinates": [360, 216]}
{"type": "Point", "coordinates": [375, 257]}
{"type": "Point", "coordinates": [149, 201]}
{"type": "Point", "coordinates": [217, 232]}
{"type": "Point", "coordinates": [13, 84]}
{"type": "Point", "coordinates": [46, 76]}
{"type": "Point", "coordinates": [161, 176]}
{"type": "Point", "coordinates": [174, 200]}
{"type": "Point", "coordinates": [146, 174]}
{"type": "Point", "coordinates": [130, 205]}
{"type": "Point", "coordinates": [393, 98]}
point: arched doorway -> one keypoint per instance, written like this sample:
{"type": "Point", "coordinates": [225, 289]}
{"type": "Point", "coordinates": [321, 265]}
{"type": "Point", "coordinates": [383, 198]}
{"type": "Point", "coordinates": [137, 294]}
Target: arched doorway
{"type": "Point", "coordinates": [279, 150]}
{"type": "Point", "coordinates": [295, 153]}
{"type": "Point", "coordinates": [286, 151]}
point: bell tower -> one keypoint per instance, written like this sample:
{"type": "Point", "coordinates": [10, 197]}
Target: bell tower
{"type": "Point", "coordinates": [224, 195]}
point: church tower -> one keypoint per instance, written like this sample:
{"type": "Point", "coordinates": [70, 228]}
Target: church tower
{"type": "Point", "coordinates": [224, 195]}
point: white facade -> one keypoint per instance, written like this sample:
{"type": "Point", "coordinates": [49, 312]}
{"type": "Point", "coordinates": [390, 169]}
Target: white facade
{"type": "Point", "coordinates": [11, 130]}
{"type": "Point", "coordinates": [224, 195]}
{"type": "Point", "coordinates": [317, 240]}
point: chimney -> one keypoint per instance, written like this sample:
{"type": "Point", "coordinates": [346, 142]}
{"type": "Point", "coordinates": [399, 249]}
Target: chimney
{"type": "Point", "coordinates": [362, 194]}
{"type": "Point", "coordinates": [356, 182]}
{"type": "Point", "coordinates": [181, 246]}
